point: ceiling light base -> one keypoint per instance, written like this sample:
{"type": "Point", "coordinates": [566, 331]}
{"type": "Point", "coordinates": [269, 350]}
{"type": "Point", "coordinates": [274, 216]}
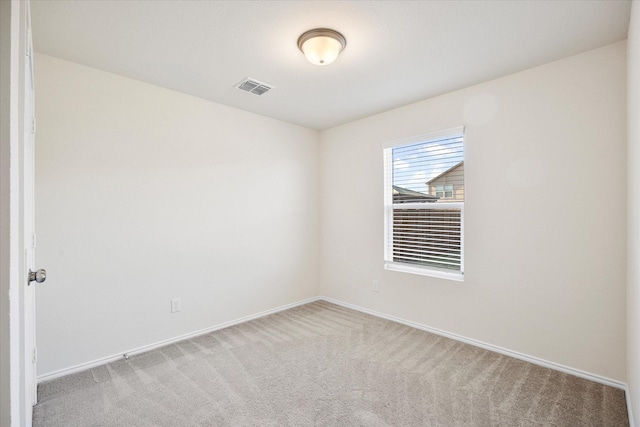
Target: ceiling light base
{"type": "Point", "coordinates": [321, 46]}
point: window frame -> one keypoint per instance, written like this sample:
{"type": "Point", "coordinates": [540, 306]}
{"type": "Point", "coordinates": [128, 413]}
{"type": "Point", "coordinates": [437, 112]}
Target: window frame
{"type": "Point", "coordinates": [389, 207]}
{"type": "Point", "coordinates": [448, 188]}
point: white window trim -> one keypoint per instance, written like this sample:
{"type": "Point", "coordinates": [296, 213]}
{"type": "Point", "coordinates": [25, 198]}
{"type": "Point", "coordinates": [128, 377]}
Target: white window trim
{"type": "Point", "coordinates": [424, 271]}
{"type": "Point", "coordinates": [389, 206]}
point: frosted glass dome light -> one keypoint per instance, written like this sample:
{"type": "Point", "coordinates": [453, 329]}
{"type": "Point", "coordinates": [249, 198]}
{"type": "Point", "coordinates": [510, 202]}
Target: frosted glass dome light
{"type": "Point", "coordinates": [321, 46]}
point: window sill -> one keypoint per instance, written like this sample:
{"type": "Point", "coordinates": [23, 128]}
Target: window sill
{"type": "Point", "coordinates": [442, 274]}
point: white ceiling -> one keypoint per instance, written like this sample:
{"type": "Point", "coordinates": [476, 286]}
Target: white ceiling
{"type": "Point", "coordinates": [397, 52]}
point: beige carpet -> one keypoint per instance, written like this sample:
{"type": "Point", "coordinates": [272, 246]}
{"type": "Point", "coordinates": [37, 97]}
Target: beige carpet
{"type": "Point", "coordinates": [324, 365]}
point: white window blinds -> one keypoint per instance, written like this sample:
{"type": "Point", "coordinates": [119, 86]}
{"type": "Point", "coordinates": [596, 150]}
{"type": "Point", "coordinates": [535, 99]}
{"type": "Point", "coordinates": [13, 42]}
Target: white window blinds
{"type": "Point", "coordinates": [424, 204]}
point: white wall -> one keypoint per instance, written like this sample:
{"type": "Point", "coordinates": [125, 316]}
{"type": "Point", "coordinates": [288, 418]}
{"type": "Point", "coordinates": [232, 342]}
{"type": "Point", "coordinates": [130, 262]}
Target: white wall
{"type": "Point", "coordinates": [633, 255]}
{"type": "Point", "coordinates": [144, 195]}
{"type": "Point", "coordinates": [545, 213]}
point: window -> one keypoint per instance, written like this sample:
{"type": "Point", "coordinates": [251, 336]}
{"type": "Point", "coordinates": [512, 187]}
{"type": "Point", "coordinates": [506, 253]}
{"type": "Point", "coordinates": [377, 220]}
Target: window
{"type": "Point", "coordinates": [444, 191]}
{"type": "Point", "coordinates": [424, 205]}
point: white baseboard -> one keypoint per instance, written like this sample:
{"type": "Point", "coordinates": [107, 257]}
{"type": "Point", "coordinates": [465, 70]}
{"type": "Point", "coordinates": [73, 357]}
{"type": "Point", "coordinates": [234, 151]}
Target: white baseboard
{"type": "Point", "coordinates": [491, 347]}
{"type": "Point", "coordinates": [104, 360]}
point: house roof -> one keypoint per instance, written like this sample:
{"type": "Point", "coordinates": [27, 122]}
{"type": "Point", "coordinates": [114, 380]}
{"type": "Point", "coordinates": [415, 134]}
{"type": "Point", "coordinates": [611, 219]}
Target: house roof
{"type": "Point", "coordinates": [444, 173]}
{"type": "Point", "coordinates": [404, 195]}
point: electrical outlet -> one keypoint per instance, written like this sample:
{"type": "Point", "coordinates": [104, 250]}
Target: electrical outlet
{"type": "Point", "coordinates": [176, 305]}
{"type": "Point", "coordinates": [376, 286]}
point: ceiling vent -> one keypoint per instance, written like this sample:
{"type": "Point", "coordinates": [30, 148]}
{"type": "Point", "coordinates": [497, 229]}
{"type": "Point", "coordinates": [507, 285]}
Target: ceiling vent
{"type": "Point", "coordinates": [253, 86]}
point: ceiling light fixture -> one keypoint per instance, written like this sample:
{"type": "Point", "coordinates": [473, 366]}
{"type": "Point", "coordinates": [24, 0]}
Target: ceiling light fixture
{"type": "Point", "coordinates": [321, 46]}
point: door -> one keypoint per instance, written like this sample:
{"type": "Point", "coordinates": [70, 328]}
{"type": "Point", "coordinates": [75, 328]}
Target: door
{"type": "Point", "coordinates": [30, 278]}
{"type": "Point", "coordinates": [17, 257]}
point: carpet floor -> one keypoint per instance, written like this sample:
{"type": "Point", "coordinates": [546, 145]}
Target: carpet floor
{"type": "Point", "coordinates": [324, 365]}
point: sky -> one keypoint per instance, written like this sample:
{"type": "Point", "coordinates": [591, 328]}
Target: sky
{"type": "Point", "coordinates": [415, 164]}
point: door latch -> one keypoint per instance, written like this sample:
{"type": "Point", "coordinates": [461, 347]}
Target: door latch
{"type": "Point", "coordinates": [37, 276]}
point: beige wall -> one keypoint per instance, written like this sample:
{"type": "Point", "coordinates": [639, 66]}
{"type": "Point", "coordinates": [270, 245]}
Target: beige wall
{"type": "Point", "coordinates": [633, 255]}
{"type": "Point", "coordinates": [144, 195]}
{"type": "Point", "coordinates": [544, 270]}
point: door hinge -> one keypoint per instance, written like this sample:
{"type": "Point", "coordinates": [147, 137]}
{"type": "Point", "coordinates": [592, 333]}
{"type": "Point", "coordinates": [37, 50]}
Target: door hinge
{"type": "Point", "coordinates": [33, 125]}
{"type": "Point", "coordinates": [35, 355]}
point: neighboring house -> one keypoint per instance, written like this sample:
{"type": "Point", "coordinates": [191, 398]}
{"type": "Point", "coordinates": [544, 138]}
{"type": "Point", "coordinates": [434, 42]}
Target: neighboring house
{"type": "Point", "coordinates": [449, 185]}
{"type": "Point", "coordinates": [404, 195]}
